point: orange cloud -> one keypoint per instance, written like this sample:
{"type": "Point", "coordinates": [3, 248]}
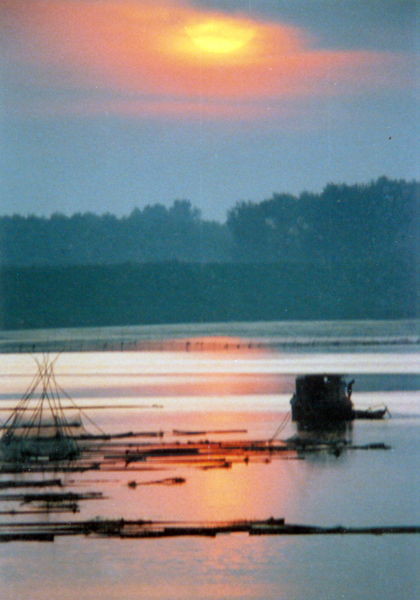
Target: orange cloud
{"type": "Point", "coordinates": [165, 57]}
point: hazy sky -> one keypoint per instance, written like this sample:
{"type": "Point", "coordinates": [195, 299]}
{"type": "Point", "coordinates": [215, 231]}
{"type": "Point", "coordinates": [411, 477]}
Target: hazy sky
{"type": "Point", "coordinates": [111, 104]}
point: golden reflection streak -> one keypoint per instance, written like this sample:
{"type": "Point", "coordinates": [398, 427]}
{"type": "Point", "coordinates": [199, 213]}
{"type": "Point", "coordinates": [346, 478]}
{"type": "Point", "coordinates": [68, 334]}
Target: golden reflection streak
{"type": "Point", "coordinates": [161, 362]}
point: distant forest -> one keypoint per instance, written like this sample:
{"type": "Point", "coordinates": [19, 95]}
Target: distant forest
{"type": "Point", "coordinates": [349, 252]}
{"type": "Point", "coordinates": [378, 221]}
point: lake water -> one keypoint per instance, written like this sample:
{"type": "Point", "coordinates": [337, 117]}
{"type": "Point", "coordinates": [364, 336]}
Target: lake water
{"type": "Point", "coordinates": [215, 384]}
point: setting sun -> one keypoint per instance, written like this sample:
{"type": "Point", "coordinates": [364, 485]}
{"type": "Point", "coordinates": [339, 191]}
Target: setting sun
{"type": "Point", "coordinates": [170, 58]}
{"type": "Point", "coordinates": [219, 36]}
{"type": "Point", "coordinates": [215, 40]}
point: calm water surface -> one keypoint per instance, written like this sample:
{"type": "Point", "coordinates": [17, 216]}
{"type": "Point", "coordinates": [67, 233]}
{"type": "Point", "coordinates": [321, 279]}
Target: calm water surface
{"type": "Point", "coordinates": [235, 389]}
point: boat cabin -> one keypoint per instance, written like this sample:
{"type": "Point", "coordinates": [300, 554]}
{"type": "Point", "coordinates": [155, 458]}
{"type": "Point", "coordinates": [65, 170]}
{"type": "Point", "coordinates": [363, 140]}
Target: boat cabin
{"type": "Point", "coordinates": [321, 400]}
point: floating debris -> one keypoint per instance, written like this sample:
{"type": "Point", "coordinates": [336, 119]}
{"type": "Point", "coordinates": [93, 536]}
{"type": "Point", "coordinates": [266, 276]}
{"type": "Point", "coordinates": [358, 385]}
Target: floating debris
{"type": "Point", "coordinates": [210, 431]}
{"type": "Point", "coordinates": [166, 481]}
{"type": "Point", "coordinates": [40, 438]}
{"type": "Point", "coordinates": [222, 464]}
{"type": "Point", "coordinates": [141, 529]}
{"type": "Point", "coordinates": [50, 497]}
{"type": "Point", "coordinates": [30, 484]}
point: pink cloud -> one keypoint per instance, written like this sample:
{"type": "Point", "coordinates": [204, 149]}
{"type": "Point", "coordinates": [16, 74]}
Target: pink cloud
{"type": "Point", "coordinates": [165, 57]}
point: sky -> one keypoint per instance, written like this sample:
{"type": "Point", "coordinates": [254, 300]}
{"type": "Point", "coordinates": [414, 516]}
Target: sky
{"type": "Point", "coordinates": [108, 105]}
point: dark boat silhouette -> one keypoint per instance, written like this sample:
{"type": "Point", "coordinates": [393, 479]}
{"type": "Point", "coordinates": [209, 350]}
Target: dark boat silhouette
{"type": "Point", "coordinates": [324, 401]}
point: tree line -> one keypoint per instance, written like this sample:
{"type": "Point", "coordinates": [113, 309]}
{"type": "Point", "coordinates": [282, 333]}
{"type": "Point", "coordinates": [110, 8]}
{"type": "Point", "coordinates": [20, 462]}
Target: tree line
{"type": "Point", "coordinates": [378, 222]}
{"type": "Point", "coordinates": [374, 222]}
{"type": "Point", "coordinates": [154, 234]}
